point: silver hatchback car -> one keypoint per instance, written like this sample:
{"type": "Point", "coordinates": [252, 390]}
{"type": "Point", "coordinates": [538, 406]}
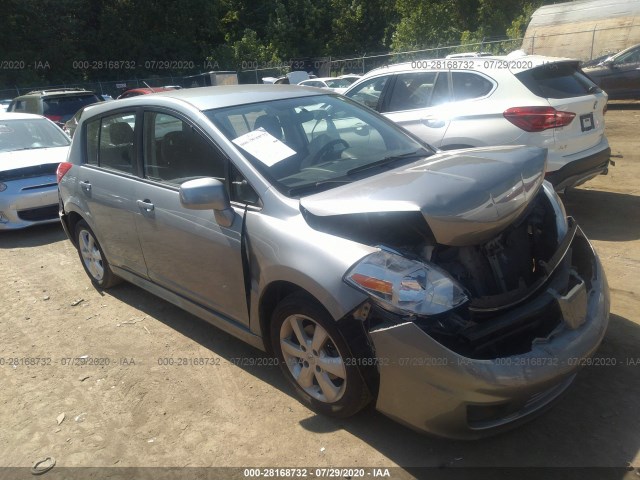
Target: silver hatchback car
{"type": "Point", "coordinates": [448, 288]}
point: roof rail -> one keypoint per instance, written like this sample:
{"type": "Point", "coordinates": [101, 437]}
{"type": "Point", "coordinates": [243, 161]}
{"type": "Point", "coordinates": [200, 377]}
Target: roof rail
{"type": "Point", "coordinates": [58, 90]}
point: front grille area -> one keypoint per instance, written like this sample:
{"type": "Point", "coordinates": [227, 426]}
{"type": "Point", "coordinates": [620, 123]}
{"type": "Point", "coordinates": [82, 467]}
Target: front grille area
{"type": "Point", "coordinates": [29, 172]}
{"type": "Point", "coordinates": [49, 212]}
{"type": "Point", "coordinates": [36, 187]}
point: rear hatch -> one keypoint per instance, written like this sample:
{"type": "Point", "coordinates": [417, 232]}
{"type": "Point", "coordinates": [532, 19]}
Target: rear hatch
{"type": "Point", "coordinates": [567, 89]}
{"type": "Point", "coordinates": [60, 108]}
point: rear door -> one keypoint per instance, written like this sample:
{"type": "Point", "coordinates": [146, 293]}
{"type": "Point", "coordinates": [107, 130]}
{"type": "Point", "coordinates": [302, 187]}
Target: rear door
{"type": "Point", "coordinates": [187, 251]}
{"type": "Point", "coordinates": [414, 100]}
{"type": "Point", "coordinates": [106, 185]}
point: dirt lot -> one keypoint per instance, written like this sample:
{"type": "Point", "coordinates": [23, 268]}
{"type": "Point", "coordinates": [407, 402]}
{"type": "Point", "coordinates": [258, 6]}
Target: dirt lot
{"type": "Point", "coordinates": [136, 412]}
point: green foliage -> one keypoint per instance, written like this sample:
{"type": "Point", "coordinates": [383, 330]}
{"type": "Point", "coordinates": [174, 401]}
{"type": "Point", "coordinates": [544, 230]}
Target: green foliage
{"type": "Point", "coordinates": [519, 24]}
{"type": "Point", "coordinates": [51, 36]}
{"type": "Point", "coordinates": [425, 23]}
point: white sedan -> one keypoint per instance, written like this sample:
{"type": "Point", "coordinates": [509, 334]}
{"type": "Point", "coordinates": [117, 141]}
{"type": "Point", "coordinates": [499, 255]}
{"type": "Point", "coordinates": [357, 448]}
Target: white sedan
{"type": "Point", "coordinates": [338, 85]}
{"type": "Point", "coordinates": [31, 147]}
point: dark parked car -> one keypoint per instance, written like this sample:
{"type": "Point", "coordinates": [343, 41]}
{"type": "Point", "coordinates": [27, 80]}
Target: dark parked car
{"type": "Point", "coordinates": [57, 105]}
{"type": "Point", "coordinates": [618, 75]}
{"type": "Point", "coordinates": [449, 288]}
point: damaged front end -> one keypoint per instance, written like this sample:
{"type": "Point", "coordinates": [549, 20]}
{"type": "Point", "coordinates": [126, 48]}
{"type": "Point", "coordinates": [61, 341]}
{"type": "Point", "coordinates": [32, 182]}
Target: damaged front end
{"type": "Point", "coordinates": [519, 285]}
{"type": "Point", "coordinates": [472, 338]}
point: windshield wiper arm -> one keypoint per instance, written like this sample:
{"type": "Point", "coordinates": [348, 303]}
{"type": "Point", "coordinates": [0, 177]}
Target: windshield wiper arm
{"type": "Point", "coordinates": [387, 161]}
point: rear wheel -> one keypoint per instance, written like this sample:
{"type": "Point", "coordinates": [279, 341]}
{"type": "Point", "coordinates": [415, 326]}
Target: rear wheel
{"type": "Point", "coordinates": [92, 257]}
{"type": "Point", "coordinates": [316, 359]}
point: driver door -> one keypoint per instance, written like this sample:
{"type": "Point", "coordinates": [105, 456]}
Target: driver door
{"type": "Point", "coordinates": [187, 251]}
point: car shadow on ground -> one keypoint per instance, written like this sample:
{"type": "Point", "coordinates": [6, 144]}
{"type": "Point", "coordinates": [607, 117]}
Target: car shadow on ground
{"type": "Point", "coordinates": [212, 338]}
{"type": "Point", "coordinates": [35, 236]}
{"type": "Point", "coordinates": [623, 105]}
{"type": "Point", "coordinates": [595, 423]}
{"type": "Point", "coordinates": [604, 215]}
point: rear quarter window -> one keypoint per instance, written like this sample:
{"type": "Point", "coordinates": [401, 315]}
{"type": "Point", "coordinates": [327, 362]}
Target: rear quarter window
{"type": "Point", "coordinates": [469, 85]}
{"type": "Point", "coordinates": [557, 80]}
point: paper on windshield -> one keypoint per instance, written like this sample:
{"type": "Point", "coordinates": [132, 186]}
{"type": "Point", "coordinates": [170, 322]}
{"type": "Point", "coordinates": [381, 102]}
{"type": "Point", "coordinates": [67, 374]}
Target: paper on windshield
{"type": "Point", "coordinates": [264, 146]}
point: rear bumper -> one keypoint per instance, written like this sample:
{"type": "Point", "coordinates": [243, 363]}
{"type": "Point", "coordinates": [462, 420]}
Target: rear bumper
{"type": "Point", "coordinates": [579, 171]}
{"type": "Point", "coordinates": [64, 218]}
{"type": "Point", "coordinates": [433, 389]}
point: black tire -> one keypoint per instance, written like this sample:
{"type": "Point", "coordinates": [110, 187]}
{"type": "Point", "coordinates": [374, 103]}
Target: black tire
{"type": "Point", "coordinates": [340, 392]}
{"type": "Point", "coordinates": [92, 257]}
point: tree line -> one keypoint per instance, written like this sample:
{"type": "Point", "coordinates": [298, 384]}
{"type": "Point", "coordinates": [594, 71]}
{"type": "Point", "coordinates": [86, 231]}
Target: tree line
{"type": "Point", "coordinates": [56, 41]}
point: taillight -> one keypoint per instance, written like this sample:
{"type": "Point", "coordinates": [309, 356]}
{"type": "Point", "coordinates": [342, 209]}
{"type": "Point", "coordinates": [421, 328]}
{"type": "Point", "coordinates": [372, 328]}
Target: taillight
{"type": "Point", "coordinates": [54, 118]}
{"type": "Point", "coordinates": [537, 119]}
{"type": "Point", "coordinates": [63, 168]}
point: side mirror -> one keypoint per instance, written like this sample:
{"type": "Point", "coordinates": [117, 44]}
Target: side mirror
{"type": "Point", "coordinates": [208, 194]}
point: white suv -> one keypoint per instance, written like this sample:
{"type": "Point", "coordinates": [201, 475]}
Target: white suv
{"type": "Point", "coordinates": [513, 100]}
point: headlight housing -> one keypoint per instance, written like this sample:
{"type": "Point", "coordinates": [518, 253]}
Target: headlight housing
{"type": "Point", "coordinates": [405, 286]}
{"type": "Point", "coordinates": [3, 187]}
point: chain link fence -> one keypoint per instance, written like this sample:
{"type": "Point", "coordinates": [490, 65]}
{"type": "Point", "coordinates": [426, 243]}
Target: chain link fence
{"type": "Point", "coordinates": [585, 45]}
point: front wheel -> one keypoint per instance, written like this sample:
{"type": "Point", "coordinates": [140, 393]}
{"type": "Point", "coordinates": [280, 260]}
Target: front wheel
{"type": "Point", "coordinates": [92, 257]}
{"type": "Point", "coordinates": [316, 359]}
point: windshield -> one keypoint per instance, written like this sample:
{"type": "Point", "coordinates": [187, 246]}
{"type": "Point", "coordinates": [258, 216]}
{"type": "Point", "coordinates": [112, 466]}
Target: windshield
{"type": "Point", "coordinates": [337, 83]}
{"type": "Point", "coordinates": [308, 144]}
{"type": "Point", "coordinates": [30, 134]}
{"type": "Point", "coordinates": [62, 108]}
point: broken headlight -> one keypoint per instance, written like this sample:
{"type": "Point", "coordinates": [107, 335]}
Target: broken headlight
{"type": "Point", "coordinates": [404, 285]}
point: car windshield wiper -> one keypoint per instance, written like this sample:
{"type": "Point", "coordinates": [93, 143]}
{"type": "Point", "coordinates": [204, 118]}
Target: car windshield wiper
{"type": "Point", "coordinates": [388, 161]}
{"type": "Point", "coordinates": [26, 148]}
{"type": "Point", "coordinates": [310, 187]}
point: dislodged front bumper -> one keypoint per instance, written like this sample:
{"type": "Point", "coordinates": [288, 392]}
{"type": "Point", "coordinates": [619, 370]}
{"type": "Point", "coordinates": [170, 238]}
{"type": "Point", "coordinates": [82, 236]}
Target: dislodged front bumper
{"type": "Point", "coordinates": [433, 389]}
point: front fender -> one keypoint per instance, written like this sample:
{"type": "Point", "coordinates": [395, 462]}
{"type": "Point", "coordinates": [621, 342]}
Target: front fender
{"type": "Point", "coordinates": [291, 251]}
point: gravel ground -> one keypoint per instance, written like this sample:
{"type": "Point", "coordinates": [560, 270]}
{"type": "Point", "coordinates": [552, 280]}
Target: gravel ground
{"type": "Point", "coordinates": [134, 409]}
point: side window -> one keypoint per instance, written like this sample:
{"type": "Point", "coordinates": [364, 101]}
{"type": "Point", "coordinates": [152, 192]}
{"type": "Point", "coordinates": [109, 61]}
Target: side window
{"type": "Point", "coordinates": [469, 85]}
{"type": "Point", "coordinates": [115, 147]}
{"type": "Point", "coordinates": [631, 57]}
{"type": "Point", "coordinates": [175, 152]}
{"type": "Point", "coordinates": [412, 91]}
{"type": "Point", "coordinates": [19, 106]}
{"type": "Point", "coordinates": [110, 142]}
{"type": "Point", "coordinates": [368, 92]}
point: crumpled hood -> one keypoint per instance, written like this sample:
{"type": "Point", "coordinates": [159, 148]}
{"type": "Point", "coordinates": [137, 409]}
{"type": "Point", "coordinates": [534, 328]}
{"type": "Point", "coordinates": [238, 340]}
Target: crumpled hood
{"type": "Point", "coordinates": [466, 196]}
{"type": "Point", "coordinates": [32, 157]}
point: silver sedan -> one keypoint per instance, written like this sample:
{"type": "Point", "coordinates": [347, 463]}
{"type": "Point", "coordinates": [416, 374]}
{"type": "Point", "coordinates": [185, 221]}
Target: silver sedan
{"type": "Point", "coordinates": [31, 147]}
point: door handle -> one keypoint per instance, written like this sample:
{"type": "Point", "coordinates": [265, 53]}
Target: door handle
{"type": "Point", "coordinates": [85, 186]}
{"type": "Point", "coordinates": [146, 204]}
{"type": "Point", "coordinates": [433, 122]}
